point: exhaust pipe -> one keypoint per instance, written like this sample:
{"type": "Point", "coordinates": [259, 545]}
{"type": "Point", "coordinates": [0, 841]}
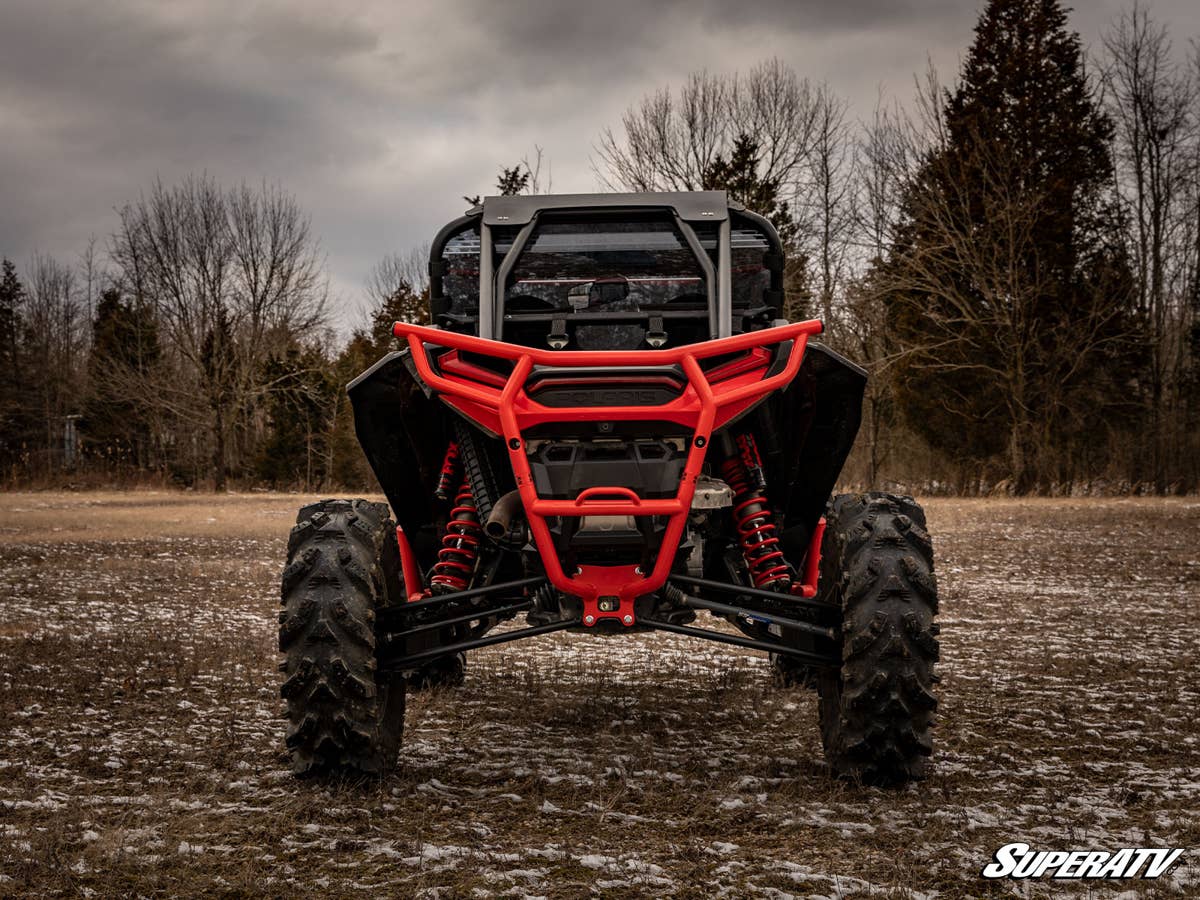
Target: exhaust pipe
{"type": "Point", "coordinates": [499, 523]}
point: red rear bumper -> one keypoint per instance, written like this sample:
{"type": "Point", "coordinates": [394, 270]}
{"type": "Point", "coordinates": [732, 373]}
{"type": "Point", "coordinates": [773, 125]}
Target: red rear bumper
{"type": "Point", "coordinates": [709, 400]}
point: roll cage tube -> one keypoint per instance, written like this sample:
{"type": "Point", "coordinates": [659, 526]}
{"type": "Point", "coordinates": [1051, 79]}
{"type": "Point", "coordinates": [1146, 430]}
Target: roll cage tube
{"type": "Point", "coordinates": [707, 403]}
{"type": "Point", "coordinates": [715, 328]}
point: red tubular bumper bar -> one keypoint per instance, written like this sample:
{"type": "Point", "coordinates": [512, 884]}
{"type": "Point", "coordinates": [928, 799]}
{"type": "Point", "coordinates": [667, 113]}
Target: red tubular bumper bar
{"type": "Point", "coordinates": [704, 406]}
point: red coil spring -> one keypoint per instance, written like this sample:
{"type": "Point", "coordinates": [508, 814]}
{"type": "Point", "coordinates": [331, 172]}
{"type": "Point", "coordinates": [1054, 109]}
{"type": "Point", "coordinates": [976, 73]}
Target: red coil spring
{"type": "Point", "coordinates": [755, 528]}
{"type": "Point", "coordinates": [460, 545]}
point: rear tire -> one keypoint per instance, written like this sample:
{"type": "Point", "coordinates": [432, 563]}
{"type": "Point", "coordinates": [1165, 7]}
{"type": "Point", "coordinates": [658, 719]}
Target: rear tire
{"type": "Point", "coordinates": [342, 717]}
{"type": "Point", "coordinates": [877, 712]}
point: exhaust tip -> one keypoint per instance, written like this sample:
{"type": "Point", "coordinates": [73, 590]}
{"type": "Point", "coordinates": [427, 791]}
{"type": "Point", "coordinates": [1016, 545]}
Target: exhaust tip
{"type": "Point", "coordinates": [500, 522]}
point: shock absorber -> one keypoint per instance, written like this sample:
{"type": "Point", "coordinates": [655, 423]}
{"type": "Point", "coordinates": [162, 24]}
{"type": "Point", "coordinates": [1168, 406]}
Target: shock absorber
{"type": "Point", "coordinates": [757, 534]}
{"type": "Point", "coordinates": [460, 545]}
{"type": "Point", "coordinates": [451, 474]}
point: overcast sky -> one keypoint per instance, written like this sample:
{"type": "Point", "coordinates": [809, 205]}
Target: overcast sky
{"type": "Point", "coordinates": [379, 116]}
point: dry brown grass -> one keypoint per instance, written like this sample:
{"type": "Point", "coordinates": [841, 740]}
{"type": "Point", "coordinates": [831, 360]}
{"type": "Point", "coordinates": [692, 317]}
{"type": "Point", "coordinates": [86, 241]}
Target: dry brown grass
{"type": "Point", "coordinates": [141, 751]}
{"type": "Point", "coordinates": [52, 517]}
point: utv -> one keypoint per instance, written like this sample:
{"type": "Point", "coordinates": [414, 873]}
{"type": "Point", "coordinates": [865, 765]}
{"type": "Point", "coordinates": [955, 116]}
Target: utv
{"type": "Point", "coordinates": [608, 429]}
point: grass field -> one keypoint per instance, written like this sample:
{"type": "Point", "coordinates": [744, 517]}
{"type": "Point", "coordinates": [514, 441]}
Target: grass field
{"type": "Point", "coordinates": [141, 750]}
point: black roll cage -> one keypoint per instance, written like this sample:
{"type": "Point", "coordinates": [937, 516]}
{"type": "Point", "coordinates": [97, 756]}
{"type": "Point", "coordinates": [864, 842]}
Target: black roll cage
{"type": "Point", "coordinates": [685, 209]}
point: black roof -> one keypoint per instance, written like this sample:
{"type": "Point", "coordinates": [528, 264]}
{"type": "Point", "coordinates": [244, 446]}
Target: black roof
{"type": "Point", "coordinates": [691, 206]}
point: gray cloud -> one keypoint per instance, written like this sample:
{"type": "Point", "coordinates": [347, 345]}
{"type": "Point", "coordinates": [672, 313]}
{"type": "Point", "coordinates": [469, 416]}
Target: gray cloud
{"type": "Point", "coordinates": [379, 116]}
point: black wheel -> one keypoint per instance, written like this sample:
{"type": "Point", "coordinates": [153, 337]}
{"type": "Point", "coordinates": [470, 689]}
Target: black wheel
{"type": "Point", "coordinates": [342, 718]}
{"type": "Point", "coordinates": [877, 712]}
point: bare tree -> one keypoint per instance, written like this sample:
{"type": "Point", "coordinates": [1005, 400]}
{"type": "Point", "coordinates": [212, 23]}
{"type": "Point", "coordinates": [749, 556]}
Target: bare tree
{"type": "Point", "coordinates": [884, 162]}
{"type": "Point", "coordinates": [1153, 101]}
{"type": "Point", "coordinates": [536, 182]}
{"type": "Point", "coordinates": [92, 275]}
{"type": "Point", "coordinates": [279, 283]}
{"type": "Point", "coordinates": [826, 199]}
{"type": "Point", "coordinates": [54, 345]}
{"type": "Point", "coordinates": [233, 277]}
{"type": "Point", "coordinates": [885, 151]}
{"type": "Point", "coordinates": [397, 289]}
{"type": "Point", "coordinates": [1189, 375]}
{"type": "Point", "coordinates": [177, 244]}
{"type": "Point", "coordinates": [395, 270]}
{"type": "Point", "coordinates": [685, 140]}
{"type": "Point", "coordinates": [669, 141]}
{"type": "Point", "coordinates": [782, 112]}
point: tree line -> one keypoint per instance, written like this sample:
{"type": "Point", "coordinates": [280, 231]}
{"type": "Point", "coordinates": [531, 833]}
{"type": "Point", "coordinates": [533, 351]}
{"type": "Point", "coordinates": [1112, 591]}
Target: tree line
{"type": "Point", "coordinates": [1015, 257]}
{"type": "Point", "coordinates": [176, 352]}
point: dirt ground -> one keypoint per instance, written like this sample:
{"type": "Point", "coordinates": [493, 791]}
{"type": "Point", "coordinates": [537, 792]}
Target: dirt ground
{"type": "Point", "coordinates": [141, 746]}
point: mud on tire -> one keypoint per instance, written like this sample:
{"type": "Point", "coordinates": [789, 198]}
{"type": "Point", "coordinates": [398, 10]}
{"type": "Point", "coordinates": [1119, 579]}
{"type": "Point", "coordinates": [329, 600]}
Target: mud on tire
{"type": "Point", "coordinates": [342, 718]}
{"type": "Point", "coordinates": [877, 712]}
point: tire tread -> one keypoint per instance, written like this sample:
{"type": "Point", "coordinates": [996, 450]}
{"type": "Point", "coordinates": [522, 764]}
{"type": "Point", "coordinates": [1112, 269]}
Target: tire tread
{"type": "Point", "coordinates": [340, 718]}
{"type": "Point", "coordinates": [878, 711]}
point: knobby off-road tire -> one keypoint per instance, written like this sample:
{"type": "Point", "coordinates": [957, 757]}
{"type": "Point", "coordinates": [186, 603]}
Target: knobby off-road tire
{"type": "Point", "coordinates": [342, 717]}
{"type": "Point", "coordinates": [877, 711]}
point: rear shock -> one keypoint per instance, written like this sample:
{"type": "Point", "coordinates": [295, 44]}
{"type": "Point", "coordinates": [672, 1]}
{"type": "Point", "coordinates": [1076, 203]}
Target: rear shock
{"type": "Point", "coordinates": [752, 517]}
{"type": "Point", "coordinates": [460, 545]}
{"type": "Point", "coordinates": [451, 473]}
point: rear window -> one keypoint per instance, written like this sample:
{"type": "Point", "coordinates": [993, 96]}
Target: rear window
{"type": "Point", "coordinates": [608, 284]}
{"type": "Point", "coordinates": [750, 279]}
{"type": "Point", "coordinates": [651, 260]}
{"type": "Point", "coordinates": [460, 281]}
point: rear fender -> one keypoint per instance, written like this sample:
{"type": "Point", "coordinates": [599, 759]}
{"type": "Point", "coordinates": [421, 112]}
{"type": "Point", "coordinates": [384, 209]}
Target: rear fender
{"type": "Point", "coordinates": [808, 429]}
{"type": "Point", "coordinates": [403, 432]}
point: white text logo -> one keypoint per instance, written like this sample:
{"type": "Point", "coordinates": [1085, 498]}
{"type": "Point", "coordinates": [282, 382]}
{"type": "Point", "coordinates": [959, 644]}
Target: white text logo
{"type": "Point", "coordinates": [1020, 861]}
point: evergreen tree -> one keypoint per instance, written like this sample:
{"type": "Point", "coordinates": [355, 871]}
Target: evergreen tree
{"type": "Point", "coordinates": [403, 304]}
{"type": "Point", "coordinates": [741, 178]}
{"type": "Point", "coordinates": [125, 349]}
{"type": "Point", "coordinates": [299, 409]}
{"type": "Point", "coordinates": [1008, 287]}
{"type": "Point", "coordinates": [124, 334]}
{"type": "Point", "coordinates": [218, 361]}
{"type": "Point", "coordinates": [511, 182]}
{"type": "Point", "coordinates": [348, 465]}
{"type": "Point", "coordinates": [12, 296]}
{"type": "Point", "coordinates": [514, 181]}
